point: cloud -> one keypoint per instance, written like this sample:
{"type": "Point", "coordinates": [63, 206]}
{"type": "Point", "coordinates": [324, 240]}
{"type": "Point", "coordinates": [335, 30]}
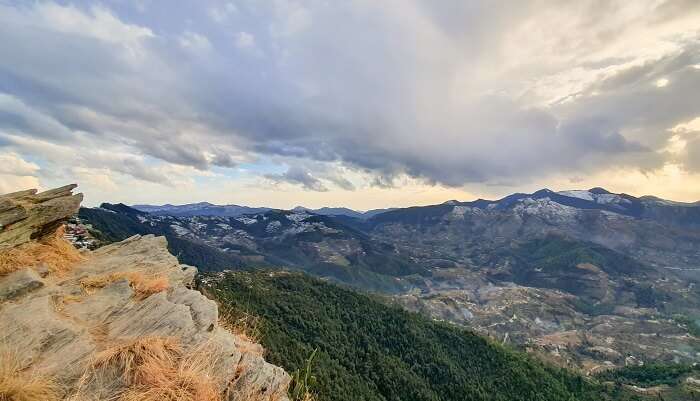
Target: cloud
{"type": "Point", "coordinates": [341, 182]}
{"type": "Point", "coordinates": [448, 93]}
{"type": "Point", "coordinates": [83, 156]}
{"type": "Point", "coordinates": [16, 115]}
{"type": "Point", "coordinates": [16, 173]}
{"type": "Point", "coordinates": [128, 93]}
{"type": "Point", "coordinates": [195, 42]}
{"type": "Point", "coordinates": [13, 164]}
{"type": "Point", "coordinates": [11, 183]}
{"type": "Point", "coordinates": [289, 18]}
{"type": "Point", "coordinates": [98, 23]}
{"type": "Point", "coordinates": [221, 13]}
{"type": "Point", "coordinates": [299, 176]}
{"type": "Point", "coordinates": [244, 40]}
{"type": "Point", "coordinates": [692, 160]}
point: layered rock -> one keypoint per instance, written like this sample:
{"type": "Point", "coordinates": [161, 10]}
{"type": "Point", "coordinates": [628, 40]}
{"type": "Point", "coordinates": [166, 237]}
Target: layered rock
{"type": "Point", "coordinates": [61, 321]}
{"type": "Point", "coordinates": [28, 215]}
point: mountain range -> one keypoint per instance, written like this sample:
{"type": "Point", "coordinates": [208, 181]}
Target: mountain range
{"type": "Point", "coordinates": [584, 278]}
{"type": "Point", "coordinates": [209, 209]}
{"type": "Point", "coordinates": [649, 207]}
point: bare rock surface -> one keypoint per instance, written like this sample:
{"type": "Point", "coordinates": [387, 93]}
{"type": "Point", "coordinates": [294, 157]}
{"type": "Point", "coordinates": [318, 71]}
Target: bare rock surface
{"type": "Point", "coordinates": [28, 215]}
{"type": "Point", "coordinates": [59, 323]}
{"type": "Point", "coordinates": [19, 283]}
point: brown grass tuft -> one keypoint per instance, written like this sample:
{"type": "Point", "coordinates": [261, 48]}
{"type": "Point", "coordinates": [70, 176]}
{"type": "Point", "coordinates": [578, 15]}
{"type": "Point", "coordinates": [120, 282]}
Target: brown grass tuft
{"type": "Point", "coordinates": [16, 385]}
{"type": "Point", "coordinates": [157, 369]}
{"type": "Point", "coordinates": [130, 357]}
{"type": "Point", "coordinates": [99, 332]}
{"type": "Point", "coordinates": [149, 286]}
{"type": "Point", "coordinates": [142, 285]}
{"type": "Point", "coordinates": [242, 324]}
{"type": "Point", "coordinates": [55, 252]}
{"type": "Point", "coordinates": [60, 301]}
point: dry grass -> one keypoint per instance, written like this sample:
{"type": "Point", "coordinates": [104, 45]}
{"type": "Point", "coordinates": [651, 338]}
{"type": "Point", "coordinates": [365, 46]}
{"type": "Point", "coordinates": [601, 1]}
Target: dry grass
{"type": "Point", "coordinates": [17, 385]}
{"type": "Point", "coordinates": [247, 347]}
{"type": "Point", "coordinates": [99, 332]}
{"type": "Point", "coordinates": [308, 397]}
{"type": "Point", "coordinates": [55, 252]}
{"type": "Point", "coordinates": [142, 285]}
{"type": "Point", "coordinates": [60, 301]}
{"type": "Point", "coordinates": [242, 324]}
{"type": "Point", "coordinates": [157, 369]}
{"type": "Point", "coordinates": [131, 357]}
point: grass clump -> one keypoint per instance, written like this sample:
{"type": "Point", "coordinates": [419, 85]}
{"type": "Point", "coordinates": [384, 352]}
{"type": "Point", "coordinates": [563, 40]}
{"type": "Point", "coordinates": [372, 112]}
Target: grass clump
{"type": "Point", "coordinates": [54, 251]}
{"type": "Point", "coordinates": [245, 327]}
{"type": "Point", "coordinates": [18, 385]}
{"type": "Point", "coordinates": [158, 369]}
{"type": "Point", "coordinates": [144, 286]}
{"type": "Point", "coordinates": [240, 323]}
{"type": "Point", "coordinates": [60, 301]}
{"type": "Point", "coordinates": [303, 380]}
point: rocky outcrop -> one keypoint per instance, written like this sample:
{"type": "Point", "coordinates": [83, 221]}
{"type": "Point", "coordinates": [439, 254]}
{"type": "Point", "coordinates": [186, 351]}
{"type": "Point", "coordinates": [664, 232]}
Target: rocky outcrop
{"type": "Point", "coordinates": [130, 290]}
{"type": "Point", "coordinates": [28, 215]}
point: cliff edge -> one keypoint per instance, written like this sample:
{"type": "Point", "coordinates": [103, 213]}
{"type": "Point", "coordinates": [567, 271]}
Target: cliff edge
{"type": "Point", "coordinates": [120, 322]}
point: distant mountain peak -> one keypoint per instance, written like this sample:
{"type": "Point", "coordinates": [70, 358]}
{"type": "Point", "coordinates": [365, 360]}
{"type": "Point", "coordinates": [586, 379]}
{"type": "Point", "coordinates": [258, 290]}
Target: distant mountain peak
{"type": "Point", "coordinates": [543, 191]}
{"type": "Point", "coordinates": [599, 191]}
{"type": "Point", "coordinates": [121, 208]}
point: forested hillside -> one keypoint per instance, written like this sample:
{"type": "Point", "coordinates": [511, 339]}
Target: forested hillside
{"type": "Point", "coordinates": [370, 351]}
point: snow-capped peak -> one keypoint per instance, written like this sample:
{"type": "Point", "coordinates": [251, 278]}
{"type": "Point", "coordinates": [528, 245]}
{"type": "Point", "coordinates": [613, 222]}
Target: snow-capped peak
{"type": "Point", "coordinates": [580, 194]}
{"type": "Point", "coordinates": [597, 195]}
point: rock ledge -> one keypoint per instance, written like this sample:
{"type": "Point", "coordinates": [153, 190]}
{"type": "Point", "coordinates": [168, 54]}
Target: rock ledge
{"type": "Point", "coordinates": [60, 324]}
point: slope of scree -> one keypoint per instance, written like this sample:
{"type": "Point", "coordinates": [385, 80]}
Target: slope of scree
{"type": "Point", "coordinates": [120, 322]}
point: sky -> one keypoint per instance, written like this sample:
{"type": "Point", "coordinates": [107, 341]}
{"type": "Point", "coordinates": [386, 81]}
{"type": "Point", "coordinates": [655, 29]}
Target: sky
{"type": "Point", "coordinates": [357, 103]}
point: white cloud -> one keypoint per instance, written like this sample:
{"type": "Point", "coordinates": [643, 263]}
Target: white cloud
{"type": "Point", "coordinates": [13, 183]}
{"type": "Point", "coordinates": [687, 126]}
{"type": "Point", "coordinates": [662, 82]}
{"type": "Point", "coordinates": [16, 174]}
{"type": "Point", "coordinates": [99, 23]}
{"type": "Point", "coordinates": [195, 42]}
{"type": "Point", "coordinates": [95, 179]}
{"type": "Point", "coordinates": [12, 164]}
{"type": "Point", "coordinates": [221, 14]}
{"type": "Point", "coordinates": [291, 18]}
{"type": "Point", "coordinates": [245, 40]}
